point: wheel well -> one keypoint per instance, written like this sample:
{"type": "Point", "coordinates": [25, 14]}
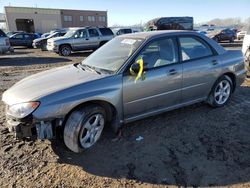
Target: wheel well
{"type": "Point", "coordinates": [65, 45]}
{"type": "Point", "coordinates": [108, 107]}
{"type": "Point", "coordinates": [102, 43]}
{"type": "Point", "coordinates": [232, 77]}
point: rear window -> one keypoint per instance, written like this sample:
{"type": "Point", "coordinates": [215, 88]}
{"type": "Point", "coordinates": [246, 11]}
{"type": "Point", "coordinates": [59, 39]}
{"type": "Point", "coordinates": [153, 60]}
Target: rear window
{"type": "Point", "coordinates": [106, 31]}
{"type": "Point", "coordinates": [2, 34]}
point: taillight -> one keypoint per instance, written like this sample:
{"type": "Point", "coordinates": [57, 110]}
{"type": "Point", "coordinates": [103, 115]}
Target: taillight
{"type": "Point", "coordinates": [7, 42]}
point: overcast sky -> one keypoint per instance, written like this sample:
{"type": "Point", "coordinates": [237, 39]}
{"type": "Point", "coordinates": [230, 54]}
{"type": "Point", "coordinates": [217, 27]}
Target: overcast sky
{"type": "Point", "coordinates": [129, 12]}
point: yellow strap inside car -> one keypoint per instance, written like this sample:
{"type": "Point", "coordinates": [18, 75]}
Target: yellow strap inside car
{"type": "Point", "coordinates": [140, 62]}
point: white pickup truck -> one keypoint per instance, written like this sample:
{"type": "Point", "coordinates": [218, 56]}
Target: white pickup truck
{"type": "Point", "coordinates": [79, 39]}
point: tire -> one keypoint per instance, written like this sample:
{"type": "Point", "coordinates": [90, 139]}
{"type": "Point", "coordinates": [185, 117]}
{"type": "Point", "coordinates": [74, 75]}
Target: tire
{"type": "Point", "coordinates": [84, 127]}
{"type": "Point", "coordinates": [221, 92]}
{"type": "Point", "coordinates": [65, 50]}
{"type": "Point", "coordinates": [102, 43]}
{"type": "Point", "coordinates": [43, 47]}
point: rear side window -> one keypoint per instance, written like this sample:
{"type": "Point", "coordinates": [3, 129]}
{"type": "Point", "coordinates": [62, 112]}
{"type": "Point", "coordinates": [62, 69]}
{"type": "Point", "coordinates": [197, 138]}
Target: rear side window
{"type": "Point", "coordinates": [2, 34]}
{"type": "Point", "coordinates": [93, 33]}
{"type": "Point", "coordinates": [27, 36]}
{"type": "Point", "coordinates": [127, 31]}
{"type": "Point", "coordinates": [106, 31]}
{"type": "Point", "coordinates": [194, 48]}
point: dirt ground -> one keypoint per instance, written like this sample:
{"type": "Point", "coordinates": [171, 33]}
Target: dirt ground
{"type": "Point", "coordinates": [191, 146]}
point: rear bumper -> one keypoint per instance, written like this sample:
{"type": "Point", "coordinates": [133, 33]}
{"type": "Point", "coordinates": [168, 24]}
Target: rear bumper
{"type": "Point", "coordinates": [240, 77]}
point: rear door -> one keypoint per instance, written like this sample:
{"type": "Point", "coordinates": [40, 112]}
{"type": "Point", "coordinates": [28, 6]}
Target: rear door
{"type": "Point", "coordinates": [28, 39]}
{"type": "Point", "coordinates": [94, 38]}
{"type": "Point", "coordinates": [199, 68]}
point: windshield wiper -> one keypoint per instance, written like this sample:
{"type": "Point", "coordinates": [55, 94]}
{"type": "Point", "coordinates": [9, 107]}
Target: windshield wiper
{"type": "Point", "coordinates": [90, 68]}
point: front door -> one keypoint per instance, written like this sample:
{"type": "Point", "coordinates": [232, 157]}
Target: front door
{"type": "Point", "coordinates": [81, 40]}
{"type": "Point", "coordinates": [159, 87]}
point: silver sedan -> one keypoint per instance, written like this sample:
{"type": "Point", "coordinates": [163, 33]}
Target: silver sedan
{"type": "Point", "coordinates": [131, 77]}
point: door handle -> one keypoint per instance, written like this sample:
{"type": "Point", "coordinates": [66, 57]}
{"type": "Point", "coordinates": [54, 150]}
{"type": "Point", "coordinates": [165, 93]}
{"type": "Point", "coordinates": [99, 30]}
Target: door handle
{"type": "Point", "coordinates": [214, 62]}
{"type": "Point", "coordinates": [172, 72]}
{"type": "Point", "coordinates": [87, 39]}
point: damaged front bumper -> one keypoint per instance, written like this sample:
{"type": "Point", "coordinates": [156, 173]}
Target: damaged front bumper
{"type": "Point", "coordinates": [29, 128]}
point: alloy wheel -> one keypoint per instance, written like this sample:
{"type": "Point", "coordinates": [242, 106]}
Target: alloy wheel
{"type": "Point", "coordinates": [222, 92]}
{"type": "Point", "coordinates": [91, 130]}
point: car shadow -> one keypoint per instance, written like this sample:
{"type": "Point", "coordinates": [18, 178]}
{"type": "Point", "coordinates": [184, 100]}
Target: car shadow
{"type": "Point", "coordinates": [191, 146]}
{"type": "Point", "coordinates": [24, 61]}
{"type": "Point", "coordinates": [81, 54]}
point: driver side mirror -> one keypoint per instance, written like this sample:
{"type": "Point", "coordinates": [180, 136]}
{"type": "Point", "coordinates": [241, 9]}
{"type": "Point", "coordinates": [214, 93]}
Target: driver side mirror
{"type": "Point", "coordinates": [135, 67]}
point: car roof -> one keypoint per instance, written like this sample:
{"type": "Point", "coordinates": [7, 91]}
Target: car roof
{"type": "Point", "coordinates": [149, 34]}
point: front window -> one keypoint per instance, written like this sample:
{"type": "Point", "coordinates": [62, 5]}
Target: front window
{"type": "Point", "coordinates": [159, 53]}
{"type": "Point", "coordinates": [113, 54]}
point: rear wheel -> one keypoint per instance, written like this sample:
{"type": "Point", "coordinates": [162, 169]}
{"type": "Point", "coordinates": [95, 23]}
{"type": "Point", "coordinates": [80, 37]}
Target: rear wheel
{"type": "Point", "coordinates": [84, 128]}
{"type": "Point", "coordinates": [65, 50]}
{"type": "Point", "coordinates": [221, 92]}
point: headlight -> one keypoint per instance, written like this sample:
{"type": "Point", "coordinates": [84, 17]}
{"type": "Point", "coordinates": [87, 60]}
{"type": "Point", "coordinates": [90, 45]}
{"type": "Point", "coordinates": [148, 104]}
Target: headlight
{"type": "Point", "coordinates": [23, 109]}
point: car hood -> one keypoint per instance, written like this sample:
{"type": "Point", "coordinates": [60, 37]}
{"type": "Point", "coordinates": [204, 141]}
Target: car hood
{"type": "Point", "coordinates": [47, 82]}
{"type": "Point", "coordinates": [39, 40]}
{"type": "Point", "coordinates": [57, 39]}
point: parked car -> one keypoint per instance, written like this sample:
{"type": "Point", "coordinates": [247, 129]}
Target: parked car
{"type": "Point", "coordinates": [223, 35]}
{"type": "Point", "coordinates": [241, 35]}
{"type": "Point", "coordinates": [4, 43]}
{"type": "Point", "coordinates": [131, 77]}
{"type": "Point", "coordinates": [170, 23]}
{"type": "Point", "coordinates": [246, 48]}
{"type": "Point", "coordinates": [121, 31]}
{"type": "Point", "coordinates": [45, 35]}
{"type": "Point", "coordinates": [22, 39]}
{"type": "Point", "coordinates": [78, 39]}
{"type": "Point", "coordinates": [42, 42]}
{"type": "Point", "coordinates": [10, 33]}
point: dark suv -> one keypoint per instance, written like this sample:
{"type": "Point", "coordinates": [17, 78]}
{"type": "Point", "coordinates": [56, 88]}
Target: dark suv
{"type": "Point", "coordinates": [223, 35]}
{"type": "Point", "coordinates": [22, 39]}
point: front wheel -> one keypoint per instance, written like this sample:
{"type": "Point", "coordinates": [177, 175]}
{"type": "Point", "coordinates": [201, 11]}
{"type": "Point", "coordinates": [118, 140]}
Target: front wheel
{"type": "Point", "coordinates": [84, 128]}
{"type": "Point", "coordinates": [65, 50]}
{"type": "Point", "coordinates": [221, 92]}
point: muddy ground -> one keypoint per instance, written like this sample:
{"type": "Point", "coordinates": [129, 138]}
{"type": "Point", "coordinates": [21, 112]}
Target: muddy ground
{"type": "Point", "coordinates": [191, 146]}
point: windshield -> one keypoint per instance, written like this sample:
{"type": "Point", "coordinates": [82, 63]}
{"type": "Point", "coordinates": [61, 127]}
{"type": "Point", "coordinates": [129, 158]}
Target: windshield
{"type": "Point", "coordinates": [70, 33]}
{"type": "Point", "coordinates": [113, 54]}
{"type": "Point", "coordinates": [51, 35]}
